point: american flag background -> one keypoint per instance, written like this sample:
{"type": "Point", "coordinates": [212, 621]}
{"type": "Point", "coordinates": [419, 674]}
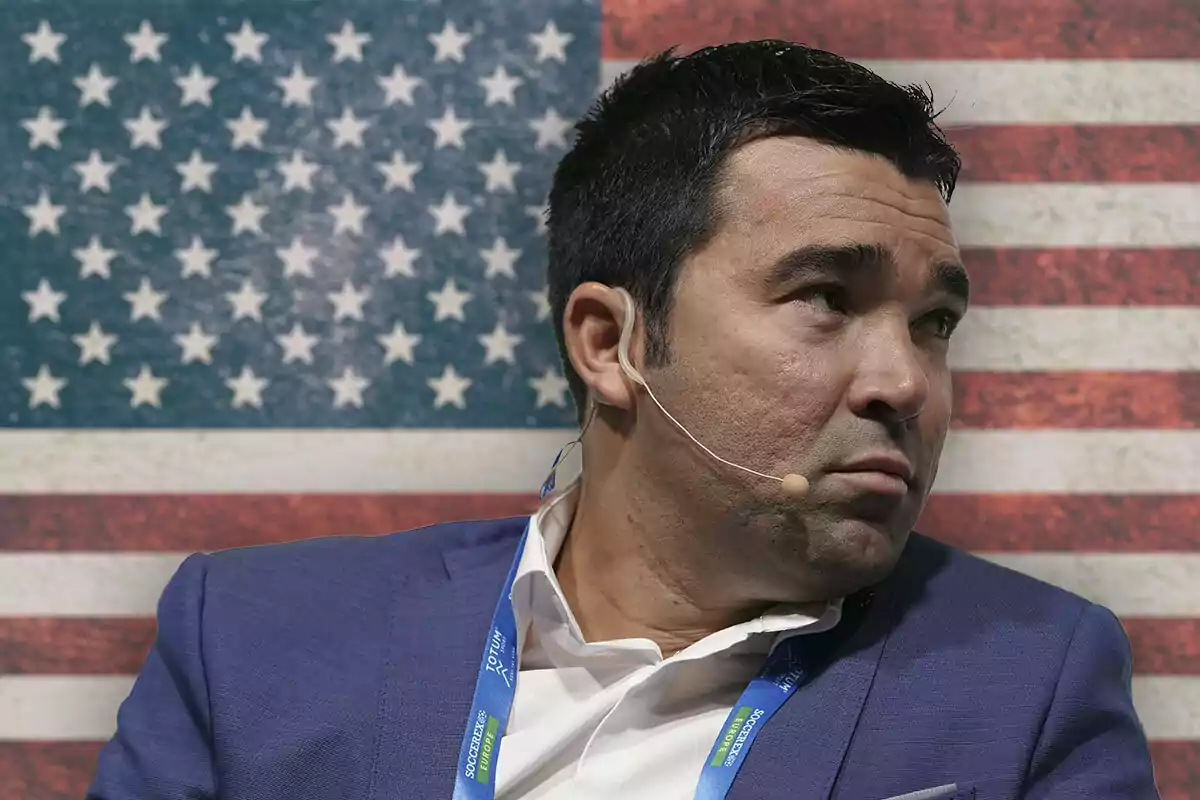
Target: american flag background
{"type": "Point", "coordinates": [275, 270]}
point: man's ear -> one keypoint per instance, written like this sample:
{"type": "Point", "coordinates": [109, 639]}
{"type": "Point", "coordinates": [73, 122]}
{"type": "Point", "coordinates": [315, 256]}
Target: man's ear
{"type": "Point", "coordinates": [592, 330]}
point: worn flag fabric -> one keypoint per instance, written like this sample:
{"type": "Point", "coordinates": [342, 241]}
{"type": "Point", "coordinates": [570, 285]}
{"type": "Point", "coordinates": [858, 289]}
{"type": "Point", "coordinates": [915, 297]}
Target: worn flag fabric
{"type": "Point", "coordinates": [275, 270]}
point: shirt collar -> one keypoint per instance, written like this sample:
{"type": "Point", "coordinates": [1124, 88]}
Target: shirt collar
{"type": "Point", "coordinates": [537, 593]}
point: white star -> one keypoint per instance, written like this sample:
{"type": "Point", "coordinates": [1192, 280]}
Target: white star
{"type": "Point", "coordinates": [44, 43]}
{"type": "Point", "coordinates": [44, 302]}
{"type": "Point", "coordinates": [197, 173]}
{"type": "Point", "coordinates": [146, 217]}
{"type": "Point", "coordinates": [247, 302]}
{"type": "Point", "coordinates": [95, 259]}
{"type": "Point", "coordinates": [500, 345]}
{"type": "Point", "coordinates": [196, 87]}
{"type": "Point", "coordinates": [449, 302]}
{"type": "Point", "coordinates": [145, 44]}
{"type": "Point", "coordinates": [398, 172]}
{"type": "Point", "coordinates": [399, 86]}
{"type": "Point", "coordinates": [399, 258]}
{"type": "Point", "coordinates": [348, 389]}
{"type": "Point", "coordinates": [196, 259]}
{"type": "Point", "coordinates": [44, 129]}
{"type": "Point", "coordinates": [247, 388]}
{"type": "Point", "coordinates": [94, 173]}
{"type": "Point", "coordinates": [297, 258]}
{"type": "Point", "coordinates": [541, 300]}
{"type": "Point", "coordinates": [500, 87]}
{"type": "Point", "coordinates": [347, 129]}
{"type": "Point", "coordinates": [348, 302]}
{"type": "Point", "coordinates": [450, 388]}
{"type": "Point", "coordinates": [538, 213]}
{"type": "Point", "coordinates": [145, 389]}
{"type": "Point", "coordinates": [500, 259]}
{"type": "Point", "coordinates": [44, 215]}
{"type": "Point", "coordinates": [145, 303]}
{"type": "Point", "coordinates": [247, 130]}
{"type": "Point", "coordinates": [499, 173]}
{"type": "Point", "coordinates": [551, 129]}
{"type": "Point", "coordinates": [348, 216]}
{"type": "Point", "coordinates": [94, 345]}
{"type": "Point", "coordinates": [398, 345]}
{"type": "Point", "coordinates": [297, 173]}
{"type": "Point", "coordinates": [247, 43]}
{"type": "Point", "coordinates": [449, 130]}
{"type": "Point", "coordinates": [44, 388]}
{"type": "Point", "coordinates": [297, 87]}
{"type": "Point", "coordinates": [551, 389]}
{"type": "Point", "coordinates": [196, 344]}
{"type": "Point", "coordinates": [348, 43]}
{"type": "Point", "coordinates": [449, 216]}
{"type": "Point", "coordinates": [297, 345]}
{"type": "Point", "coordinates": [246, 215]}
{"type": "Point", "coordinates": [94, 87]}
{"type": "Point", "coordinates": [146, 130]}
{"type": "Point", "coordinates": [449, 44]}
{"type": "Point", "coordinates": [551, 43]}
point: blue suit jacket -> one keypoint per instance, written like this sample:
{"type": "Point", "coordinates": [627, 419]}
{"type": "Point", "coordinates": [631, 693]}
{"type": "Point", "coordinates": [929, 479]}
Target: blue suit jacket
{"type": "Point", "coordinates": [344, 668]}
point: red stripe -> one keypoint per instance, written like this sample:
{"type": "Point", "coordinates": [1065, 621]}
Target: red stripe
{"type": "Point", "coordinates": [62, 646]}
{"type": "Point", "coordinates": [1018, 523]}
{"type": "Point", "coordinates": [1089, 153]}
{"type": "Point", "coordinates": [63, 770]}
{"type": "Point", "coordinates": [916, 29]}
{"type": "Point", "coordinates": [46, 770]}
{"type": "Point", "coordinates": [1064, 522]}
{"type": "Point", "coordinates": [217, 522]}
{"type": "Point", "coordinates": [1084, 277]}
{"type": "Point", "coordinates": [65, 646]}
{"type": "Point", "coordinates": [1164, 646]}
{"type": "Point", "coordinates": [1177, 769]}
{"type": "Point", "coordinates": [1163, 400]}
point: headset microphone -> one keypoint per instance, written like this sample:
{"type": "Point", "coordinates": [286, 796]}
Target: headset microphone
{"type": "Point", "coordinates": [792, 484]}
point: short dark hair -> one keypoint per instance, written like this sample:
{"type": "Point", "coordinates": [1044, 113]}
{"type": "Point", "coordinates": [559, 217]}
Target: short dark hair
{"type": "Point", "coordinates": [635, 194]}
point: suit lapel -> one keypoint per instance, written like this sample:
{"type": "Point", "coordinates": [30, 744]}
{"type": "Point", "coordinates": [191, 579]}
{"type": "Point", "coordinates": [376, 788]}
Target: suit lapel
{"type": "Point", "coordinates": [439, 625]}
{"type": "Point", "coordinates": [800, 751]}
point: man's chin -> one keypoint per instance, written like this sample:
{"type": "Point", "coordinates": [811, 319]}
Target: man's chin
{"type": "Point", "coordinates": [858, 553]}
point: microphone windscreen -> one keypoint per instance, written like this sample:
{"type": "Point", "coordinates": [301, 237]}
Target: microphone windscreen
{"type": "Point", "coordinates": [795, 485]}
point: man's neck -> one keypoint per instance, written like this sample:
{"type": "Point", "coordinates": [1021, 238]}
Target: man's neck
{"type": "Point", "coordinates": [626, 579]}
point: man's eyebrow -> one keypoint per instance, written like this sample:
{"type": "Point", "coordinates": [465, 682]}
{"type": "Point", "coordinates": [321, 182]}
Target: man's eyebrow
{"type": "Point", "coordinates": [843, 260]}
{"type": "Point", "coordinates": [852, 260]}
{"type": "Point", "coordinates": [951, 278]}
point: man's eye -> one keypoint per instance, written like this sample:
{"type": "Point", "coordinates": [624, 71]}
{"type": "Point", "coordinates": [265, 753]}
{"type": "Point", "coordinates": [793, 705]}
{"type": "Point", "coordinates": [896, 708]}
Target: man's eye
{"type": "Point", "coordinates": [826, 297]}
{"type": "Point", "coordinates": [940, 323]}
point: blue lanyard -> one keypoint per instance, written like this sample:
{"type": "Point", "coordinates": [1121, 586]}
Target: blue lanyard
{"type": "Point", "coordinates": [496, 686]}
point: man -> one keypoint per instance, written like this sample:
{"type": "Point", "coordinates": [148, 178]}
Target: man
{"type": "Point", "coordinates": [728, 601]}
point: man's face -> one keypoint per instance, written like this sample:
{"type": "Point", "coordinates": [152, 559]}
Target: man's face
{"type": "Point", "coordinates": [810, 335]}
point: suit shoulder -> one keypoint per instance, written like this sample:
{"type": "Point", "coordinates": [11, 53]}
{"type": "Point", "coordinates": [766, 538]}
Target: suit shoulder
{"type": "Point", "coordinates": [350, 560]}
{"type": "Point", "coordinates": [954, 575]}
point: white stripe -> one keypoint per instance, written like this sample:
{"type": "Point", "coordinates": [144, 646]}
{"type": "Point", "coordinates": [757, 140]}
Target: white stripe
{"type": "Point", "coordinates": [349, 461]}
{"type": "Point", "coordinates": [1083, 214]}
{"type": "Point", "coordinates": [129, 584]}
{"type": "Point", "coordinates": [1107, 338]}
{"type": "Point", "coordinates": [61, 707]}
{"type": "Point", "coordinates": [1070, 461]}
{"type": "Point", "coordinates": [84, 708]}
{"type": "Point", "coordinates": [1129, 584]}
{"type": "Point", "coordinates": [1065, 91]}
{"type": "Point", "coordinates": [84, 584]}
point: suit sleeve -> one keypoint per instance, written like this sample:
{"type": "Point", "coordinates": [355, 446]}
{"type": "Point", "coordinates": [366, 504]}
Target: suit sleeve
{"type": "Point", "coordinates": [1092, 744]}
{"type": "Point", "coordinates": [162, 747]}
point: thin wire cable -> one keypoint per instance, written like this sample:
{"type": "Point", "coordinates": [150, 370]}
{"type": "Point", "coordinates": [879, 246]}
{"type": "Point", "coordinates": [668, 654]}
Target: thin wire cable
{"type": "Point", "coordinates": [623, 357]}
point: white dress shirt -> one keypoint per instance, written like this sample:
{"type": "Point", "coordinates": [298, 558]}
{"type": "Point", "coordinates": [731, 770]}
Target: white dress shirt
{"type": "Point", "coordinates": [616, 719]}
